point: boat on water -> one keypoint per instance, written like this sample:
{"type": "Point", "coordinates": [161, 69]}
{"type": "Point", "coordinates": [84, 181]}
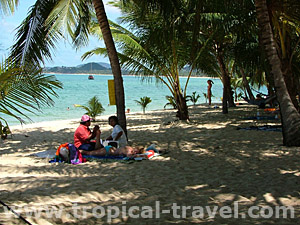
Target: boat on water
{"type": "Point", "coordinates": [91, 77]}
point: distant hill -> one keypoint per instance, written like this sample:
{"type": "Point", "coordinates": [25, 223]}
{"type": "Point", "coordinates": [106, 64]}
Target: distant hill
{"type": "Point", "coordinates": [88, 68]}
{"type": "Point", "coordinates": [98, 68]}
{"type": "Point", "coordinates": [106, 65]}
{"type": "Point", "coordinates": [91, 66]}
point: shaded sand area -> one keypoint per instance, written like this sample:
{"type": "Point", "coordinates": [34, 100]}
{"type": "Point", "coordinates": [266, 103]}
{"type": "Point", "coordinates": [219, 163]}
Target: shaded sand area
{"type": "Point", "coordinates": [209, 163]}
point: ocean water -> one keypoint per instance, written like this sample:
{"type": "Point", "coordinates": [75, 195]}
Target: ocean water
{"type": "Point", "coordinates": [77, 89]}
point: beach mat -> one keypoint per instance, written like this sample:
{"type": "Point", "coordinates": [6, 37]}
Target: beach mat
{"type": "Point", "coordinates": [263, 128]}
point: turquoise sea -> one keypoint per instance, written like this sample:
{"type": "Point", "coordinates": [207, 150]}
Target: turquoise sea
{"type": "Point", "coordinates": [77, 89]}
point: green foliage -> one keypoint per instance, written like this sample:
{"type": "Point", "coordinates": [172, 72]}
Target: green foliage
{"type": "Point", "coordinates": [94, 107]}
{"type": "Point", "coordinates": [171, 102]}
{"type": "Point", "coordinates": [4, 130]}
{"type": "Point", "coordinates": [156, 48]}
{"type": "Point", "coordinates": [143, 102]}
{"type": "Point", "coordinates": [193, 98]}
{"type": "Point", "coordinates": [205, 96]}
{"type": "Point", "coordinates": [24, 89]}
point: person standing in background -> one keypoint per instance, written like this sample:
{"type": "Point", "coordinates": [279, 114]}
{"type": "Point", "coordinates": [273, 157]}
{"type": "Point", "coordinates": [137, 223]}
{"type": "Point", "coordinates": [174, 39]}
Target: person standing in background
{"type": "Point", "coordinates": [209, 92]}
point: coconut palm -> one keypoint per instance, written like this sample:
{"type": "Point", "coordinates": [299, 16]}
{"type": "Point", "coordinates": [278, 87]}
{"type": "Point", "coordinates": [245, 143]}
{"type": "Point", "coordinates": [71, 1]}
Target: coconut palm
{"type": "Point", "coordinates": [285, 19]}
{"type": "Point", "coordinates": [156, 50]}
{"type": "Point", "coordinates": [49, 20]}
{"type": "Point", "coordinates": [144, 102]}
{"type": "Point", "coordinates": [289, 116]}
{"type": "Point", "coordinates": [93, 108]}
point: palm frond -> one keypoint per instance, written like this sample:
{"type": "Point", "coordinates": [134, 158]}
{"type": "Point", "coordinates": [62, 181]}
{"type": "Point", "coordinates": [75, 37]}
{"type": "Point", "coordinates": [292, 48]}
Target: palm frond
{"type": "Point", "coordinates": [25, 90]}
{"type": "Point", "coordinates": [34, 41]}
{"type": "Point", "coordinates": [8, 6]}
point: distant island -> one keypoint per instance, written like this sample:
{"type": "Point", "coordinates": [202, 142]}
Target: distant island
{"type": "Point", "coordinates": [88, 68]}
{"type": "Point", "coordinates": [98, 68]}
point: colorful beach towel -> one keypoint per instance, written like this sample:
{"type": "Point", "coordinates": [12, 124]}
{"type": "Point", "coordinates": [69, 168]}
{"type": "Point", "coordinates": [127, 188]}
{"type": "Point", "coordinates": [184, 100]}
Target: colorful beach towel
{"type": "Point", "coordinates": [68, 153]}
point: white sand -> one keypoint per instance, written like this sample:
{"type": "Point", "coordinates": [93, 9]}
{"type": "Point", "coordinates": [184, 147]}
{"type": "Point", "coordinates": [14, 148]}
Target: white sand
{"type": "Point", "coordinates": [209, 163]}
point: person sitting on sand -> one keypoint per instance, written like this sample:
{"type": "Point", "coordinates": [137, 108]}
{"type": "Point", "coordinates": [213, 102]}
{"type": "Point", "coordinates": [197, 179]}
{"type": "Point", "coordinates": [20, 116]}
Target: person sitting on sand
{"type": "Point", "coordinates": [118, 133]}
{"type": "Point", "coordinates": [83, 135]}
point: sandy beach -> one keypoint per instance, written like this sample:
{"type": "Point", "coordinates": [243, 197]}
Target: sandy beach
{"type": "Point", "coordinates": [208, 163]}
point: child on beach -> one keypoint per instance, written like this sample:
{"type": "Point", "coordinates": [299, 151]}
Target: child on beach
{"type": "Point", "coordinates": [83, 135]}
{"type": "Point", "coordinates": [118, 133]}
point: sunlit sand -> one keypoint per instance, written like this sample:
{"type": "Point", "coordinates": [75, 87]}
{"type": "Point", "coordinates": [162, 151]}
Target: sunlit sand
{"type": "Point", "coordinates": [207, 162]}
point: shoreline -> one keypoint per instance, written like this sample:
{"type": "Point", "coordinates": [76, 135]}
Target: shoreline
{"type": "Point", "coordinates": [131, 75]}
{"type": "Point", "coordinates": [73, 123]}
{"type": "Point", "coordinates": [101, 117]}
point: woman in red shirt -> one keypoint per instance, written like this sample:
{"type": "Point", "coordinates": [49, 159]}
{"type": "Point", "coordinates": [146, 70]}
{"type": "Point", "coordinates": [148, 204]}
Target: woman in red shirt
{"type": "Point", "coordinates": [83, 135]}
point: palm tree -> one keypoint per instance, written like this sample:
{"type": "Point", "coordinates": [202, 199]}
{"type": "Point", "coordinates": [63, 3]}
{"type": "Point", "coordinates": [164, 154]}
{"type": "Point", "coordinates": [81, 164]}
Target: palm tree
{"type": "Point", "coordinates": [114, 61]}
{"type": "Point", "coordinates": [44, 26]}
{"type": "Point", "coordinates": [285, 26]}
{"type": "Point", "coordinates": [143, 102]}
{"type": "Point", "coordinates": [156, 49]}
{"type": "Point", "coordinates": [289, 116]}
{"type": "Point", "coordinates": [94, 107]}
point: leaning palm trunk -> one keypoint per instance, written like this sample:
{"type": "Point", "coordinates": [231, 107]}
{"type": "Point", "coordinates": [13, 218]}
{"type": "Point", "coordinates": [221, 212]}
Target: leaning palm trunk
{"type": "Point", "coordinates": [290, 81]}
{"type": "Point", "coordinates": [114, 61]}
{"type": "Point", "coordinates": [290, 118]}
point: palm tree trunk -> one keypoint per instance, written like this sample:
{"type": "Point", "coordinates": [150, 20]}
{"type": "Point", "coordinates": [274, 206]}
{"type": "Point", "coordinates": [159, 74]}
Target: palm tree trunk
{"type": "Point", "coordinates": [182, 108]}
{"type": "Point", "coordinates": [225, 81]}
{"type": "Point", "coordinates": [246, 84]}
{"type": "Point", "coordinates": [290, 81]}
{"type": "Point", "coordinates": [290, 118]}
{"type": "Point", "coordinates": [114, 61]}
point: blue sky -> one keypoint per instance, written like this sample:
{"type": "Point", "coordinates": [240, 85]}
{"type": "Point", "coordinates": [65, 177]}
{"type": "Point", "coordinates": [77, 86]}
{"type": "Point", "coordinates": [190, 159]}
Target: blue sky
{"type": "Point", "coordinates": [63, 55]}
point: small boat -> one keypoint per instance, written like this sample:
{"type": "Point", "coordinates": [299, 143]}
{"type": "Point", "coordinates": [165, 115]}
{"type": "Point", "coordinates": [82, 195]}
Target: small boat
{"type": "Point", "coordinates": [91, 77]}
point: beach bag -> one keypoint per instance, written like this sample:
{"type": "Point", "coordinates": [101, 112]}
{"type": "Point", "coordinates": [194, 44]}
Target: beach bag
{"type": "Point", "coordinates": [68, 153]}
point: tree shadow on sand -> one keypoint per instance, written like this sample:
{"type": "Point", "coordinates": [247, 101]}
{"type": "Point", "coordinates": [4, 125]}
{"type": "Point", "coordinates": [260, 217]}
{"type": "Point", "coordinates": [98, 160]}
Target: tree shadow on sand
{"type": "Point", "coordinates": [212, 166]}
